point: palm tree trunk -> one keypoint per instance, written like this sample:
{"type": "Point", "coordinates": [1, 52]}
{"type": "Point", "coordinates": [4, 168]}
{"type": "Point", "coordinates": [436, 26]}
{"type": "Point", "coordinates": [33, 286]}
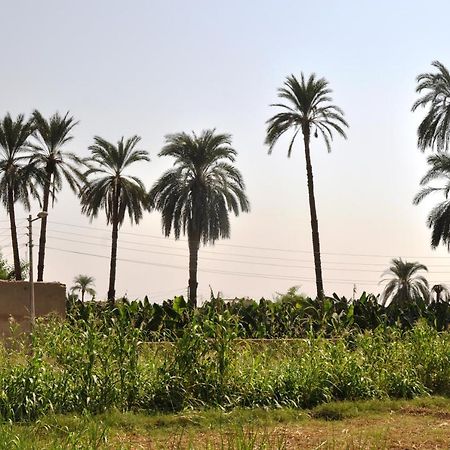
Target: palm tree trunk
{"type": "Point", "coordinates": [194, 245]}
{"type": "Point", "coordinates": [113, 263]}
{"type": "Point", "coordinates": [15, 245]}
{"type": "Point", "coordinates": [43, 235]}
{"type": "Point", "coordinates": [313, 212]}
{"type": "Point", "coordinates": [82, 295]}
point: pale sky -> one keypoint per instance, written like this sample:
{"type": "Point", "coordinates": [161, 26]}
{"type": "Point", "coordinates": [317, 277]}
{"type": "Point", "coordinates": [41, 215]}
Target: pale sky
{"type": "Point", "coordinates": [157, 67]}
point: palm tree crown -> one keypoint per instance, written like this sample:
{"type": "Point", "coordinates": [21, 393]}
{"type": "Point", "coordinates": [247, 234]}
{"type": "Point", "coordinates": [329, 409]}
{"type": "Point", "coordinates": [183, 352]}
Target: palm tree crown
{"type": "Point", "coordinates": [51, 137]}
{"type": "Point", "coordinates": [439, 217]}
{"type": "Point", "coordinates": [441, 292]}
{"type": "Point", "coordinates": [15, 175]}
{"type": "Point", "coordinates": [114, 191]}
{"type": "Point", "coordinates": [83, 284]}
{"type": "Point", "coordinates": [404, 284]}
{"type": "Point", "coordinates": [196, 196]}
{"type": "Point", "coordinates": [307, 108]}
{"type": "Point", "coordinates": [109, 162]}
{"type": "Point", "coordinates": [14, 153]}
{"type": "Point", "coordinates": [434, 130]}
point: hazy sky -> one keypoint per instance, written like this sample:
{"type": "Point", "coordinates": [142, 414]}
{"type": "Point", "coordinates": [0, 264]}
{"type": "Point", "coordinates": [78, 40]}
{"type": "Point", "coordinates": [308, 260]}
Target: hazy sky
{"type": "Point", "coordinates": [157, 67]}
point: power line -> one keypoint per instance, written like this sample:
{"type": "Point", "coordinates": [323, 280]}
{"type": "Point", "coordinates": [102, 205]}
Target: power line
{"type": "Point", "coordinates": [215, 271]}
{"type": "Point", "coordinates": [255, 247]}
{"type": "Point", "coordinates": [289, 266]}
{"type": "Point", "coordinates": [214, 252]}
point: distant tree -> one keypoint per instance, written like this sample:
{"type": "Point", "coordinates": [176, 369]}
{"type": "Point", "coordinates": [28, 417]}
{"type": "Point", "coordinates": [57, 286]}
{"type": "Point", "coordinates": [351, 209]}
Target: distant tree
{"type": "Point", "coordinates": [307, 110]}
{"type": "Point", "coordinates": [434, 130]}
{"type": "Point", "coordinates": [441, 291]}
{"type": "Point", "coordinates": [55, 164]}
{"type": "Point", "coordinates": [15, 174]}
{"type": "Point", "coordinates": [404, 285]}
{"type": "Point", "coordinates": [113, 190]}
{"type": "Point", "coordinates": [197, 195]}
{"type": "Point", "coordinates": [6, 272]}
{"type": "Point", "coordinates": [83, 284]}
{"type": "Point", "coordinates": [439, 217]}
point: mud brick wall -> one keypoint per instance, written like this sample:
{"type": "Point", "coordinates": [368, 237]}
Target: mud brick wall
{"type": "Point", "coordinates": [50, 298]}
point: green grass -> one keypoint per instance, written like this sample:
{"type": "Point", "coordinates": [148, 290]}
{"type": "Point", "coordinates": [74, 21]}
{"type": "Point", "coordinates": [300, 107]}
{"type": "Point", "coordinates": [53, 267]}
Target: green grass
{"type": "Point", "coordinates": [238, 429]}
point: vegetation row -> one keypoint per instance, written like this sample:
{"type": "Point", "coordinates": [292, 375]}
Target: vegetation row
{"type": "Point", "coordinates": [97, 364]}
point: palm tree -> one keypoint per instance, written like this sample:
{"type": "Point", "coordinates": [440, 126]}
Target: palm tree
{"type": "Point", "coordinates": [434, 130]}
{"type": "Point", "coordinates": [55, 164]}
{"type": "Point", "coordinates": [113, 190]}
{"type": "Point", "coordinates": [442, 292]}
{"type": "Point", "coordinates": [404, 284]}
{"type": "Point", "coordinates": [439, 217]}
{"type": "Point", "coordinates": [83, 284]}
{"type": "Point", "coordinates": [15, 183]}
{"type": "Point", "coordinates": [307, 107]}
{"type": "Point", "coordinates": [196, 196]}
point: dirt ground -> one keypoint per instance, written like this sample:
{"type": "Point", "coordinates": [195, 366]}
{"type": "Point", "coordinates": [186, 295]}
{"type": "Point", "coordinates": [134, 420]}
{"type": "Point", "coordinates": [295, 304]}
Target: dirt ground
{"type": "Point", "coordinates": [409, 427]}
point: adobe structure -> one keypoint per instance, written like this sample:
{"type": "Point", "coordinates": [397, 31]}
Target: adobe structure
{"type": "Point", "coordinates": [50, 298]}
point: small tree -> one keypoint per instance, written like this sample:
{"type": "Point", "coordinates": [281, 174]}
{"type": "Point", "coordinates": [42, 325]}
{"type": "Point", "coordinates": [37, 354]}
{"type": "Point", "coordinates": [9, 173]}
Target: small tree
{"type": "Point", "coordinates": [404, 284]}
{"type": "Point", "coordinates": [83, 284]}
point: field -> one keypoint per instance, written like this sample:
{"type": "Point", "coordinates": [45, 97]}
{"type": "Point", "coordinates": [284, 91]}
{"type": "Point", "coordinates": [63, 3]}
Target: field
{"type": "Point", "coordinates": [100, 380]}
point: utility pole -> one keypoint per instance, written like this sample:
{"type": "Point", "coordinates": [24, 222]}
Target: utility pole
{"type": "Point", "coordinates": [40, 215]}
{"type": "Point", "coordinates": [30, 258]}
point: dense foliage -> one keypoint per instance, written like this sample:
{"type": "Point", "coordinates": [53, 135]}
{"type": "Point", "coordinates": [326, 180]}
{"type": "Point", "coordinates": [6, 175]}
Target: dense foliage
{"type": "Point", "coordinates": [290, 316]}
{"type": "Point", "coordinates": [98, 363]}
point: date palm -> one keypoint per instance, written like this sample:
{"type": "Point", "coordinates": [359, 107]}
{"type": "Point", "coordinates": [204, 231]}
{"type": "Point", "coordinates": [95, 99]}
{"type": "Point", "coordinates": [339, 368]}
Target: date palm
{"type": "Point", "coordinates": [110, 188]}
{"type": "Point", "coordinates": [196, 196]}
{"type": "Point", "coordinates": [404, 284]}
{"type": "Point", "coordinates": [307, 109]}
{"type": "Point", "coordinates": [15, 175]}
{"type": "Point", "coordinates": [439, 217]}
{"type": "Point", "coordinates": [442, 293]}
{"type": "Point", "coordinates": [83, 284]}
{"type": "Point", "coordinates": [55, 164]}
{"type": "Point", "coordinates": [434, 130]}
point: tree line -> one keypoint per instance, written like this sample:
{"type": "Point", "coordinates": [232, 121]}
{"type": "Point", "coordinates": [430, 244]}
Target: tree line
{"type": "Point", "coordinates": [197, 195]}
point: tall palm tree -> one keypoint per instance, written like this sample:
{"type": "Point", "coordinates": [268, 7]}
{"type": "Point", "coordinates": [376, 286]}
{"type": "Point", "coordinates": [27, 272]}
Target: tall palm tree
{"type": "Point", "coordinates": [15, 183]}
{"type": "Point", "coordinates": [434, 130]}
{"type": "Point", "coordinates": [439, 217]}
{"type": "Point", "coordinates": [83, 284]}
{"type": "Point", "coordinates": [55, 164]}
{"type": "Point", "coordinates": [404, 284]}
{"type": "Point", "coordinates": [307, 109]}
{"type": "Point", "coordinates": [196, 196]}
{"type": "Point", "coordinates": [113, 190]}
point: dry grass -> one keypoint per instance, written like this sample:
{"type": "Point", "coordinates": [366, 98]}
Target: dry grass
{"type": "Point", "coordinates": [416, 424]}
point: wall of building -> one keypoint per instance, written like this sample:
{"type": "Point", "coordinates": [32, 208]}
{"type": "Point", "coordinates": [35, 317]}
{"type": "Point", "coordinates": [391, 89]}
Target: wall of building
{"type": "Point", "coordinates": [15, 302]}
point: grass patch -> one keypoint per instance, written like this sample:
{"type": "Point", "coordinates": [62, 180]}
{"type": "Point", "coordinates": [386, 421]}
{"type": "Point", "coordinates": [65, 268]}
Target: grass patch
{"type": "Point", "coordinates": [355, 425]}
